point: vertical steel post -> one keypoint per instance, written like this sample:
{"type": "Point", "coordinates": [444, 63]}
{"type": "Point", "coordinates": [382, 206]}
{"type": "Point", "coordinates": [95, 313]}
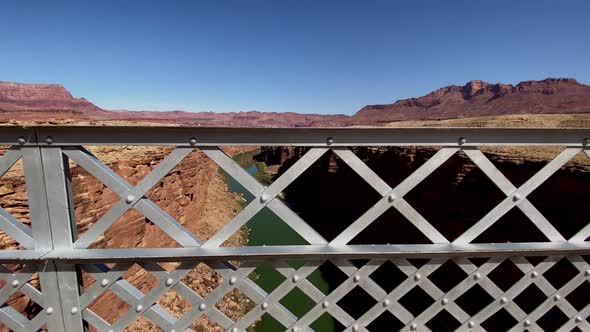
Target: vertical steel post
{"type": "Point", "coordinates": [39, 217]}
{"type": "Point", "coordinates": [62, 221]}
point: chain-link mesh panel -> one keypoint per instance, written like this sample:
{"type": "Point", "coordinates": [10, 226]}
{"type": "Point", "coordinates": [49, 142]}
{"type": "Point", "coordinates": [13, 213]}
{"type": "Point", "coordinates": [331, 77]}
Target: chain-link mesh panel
{"type": "Point", "coordinates": [420, 300]}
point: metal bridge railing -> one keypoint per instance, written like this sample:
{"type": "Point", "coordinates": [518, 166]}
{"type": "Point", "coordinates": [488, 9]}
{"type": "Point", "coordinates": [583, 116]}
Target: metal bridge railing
{"type": "Point", "coordinates": [53, 250]}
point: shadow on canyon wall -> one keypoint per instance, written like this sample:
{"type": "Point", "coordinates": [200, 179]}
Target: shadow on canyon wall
{"type": "Point", "coordinates": [330, 196]}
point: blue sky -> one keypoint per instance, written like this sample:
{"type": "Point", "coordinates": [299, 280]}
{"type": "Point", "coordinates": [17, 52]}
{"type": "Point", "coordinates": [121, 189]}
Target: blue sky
{"type": "Point", "coordinates": [301, 56]}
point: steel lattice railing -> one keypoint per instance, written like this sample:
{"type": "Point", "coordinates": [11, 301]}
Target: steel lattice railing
{"type": "Point", "coordinates": [52, 250]}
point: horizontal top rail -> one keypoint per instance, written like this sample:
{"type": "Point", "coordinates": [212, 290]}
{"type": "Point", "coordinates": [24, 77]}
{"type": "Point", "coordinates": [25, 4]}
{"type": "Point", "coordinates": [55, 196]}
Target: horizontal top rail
{"type": "Point", "coordinates": [84, 256]}
{"type": "Point", "coordinates": [215, 136]}
{"type": "Point", "coordinates": [319, 252]}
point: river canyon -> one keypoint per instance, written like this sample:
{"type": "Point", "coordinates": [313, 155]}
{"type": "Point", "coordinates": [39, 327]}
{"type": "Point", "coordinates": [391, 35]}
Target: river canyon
{"type": "Point", "coordinates": [194, 193]}
{"type": "Point", "coordinates": [329, 195]}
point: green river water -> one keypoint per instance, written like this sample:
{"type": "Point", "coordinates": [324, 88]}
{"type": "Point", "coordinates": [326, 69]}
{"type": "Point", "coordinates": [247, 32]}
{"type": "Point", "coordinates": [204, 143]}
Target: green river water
{"type": "Point", "coordinates": [268, 229]}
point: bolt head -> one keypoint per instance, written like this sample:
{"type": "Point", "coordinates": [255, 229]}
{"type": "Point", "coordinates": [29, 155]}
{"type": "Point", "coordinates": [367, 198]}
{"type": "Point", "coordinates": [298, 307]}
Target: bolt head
{"type": "Point", "coordinates": [534, 274]}
{"type": "Point", "coordinates": [295, 278]}
{"type": "Point", "coordinates": [417, 277]}
{"type": "Point", "coordinates": [263, 198]}
{"type": "Point", "coordinates": [104, 282]}
{"type": "Point", "coordinates": [21, 140]}
{"type": "Point", "coordinates": [413, 326]}
{"type": "Point", "coordinates": [330, 141]}
{"type": "Point", "coordinates": [233, 280]}
{"type": "Point", "coordinates": [462, 140]}
{"type": "Point", "coordinates": [234, 329]}
{"type": "Point", "coordinates": [202, 306]}
{"type": "Point", "coordinates": [356, 278]}
{"type": "Point", "coordinates": [139, 308]}
{"type": "Point", "coordinates": [386, 302]}
{"type": "Point", "coordinates": [295, 329]}
{"type": "Point", "coordinates": [49, 310]}
{"type": "Point", "coordinates": [169, 282]}
{"type": "Point", "coordinates": [556, 297]}
{"type": "Point", "coordinates": [264, 306]}
{"type": "Point", "coordinates": [129, 199]}
{"type": "Point", "coordinates": [516, 197]}
{"type": "Point", "coordinates": [527, 323]}
{"type": "Point", "coordinates": [49, 139]}
{"type": "Point", "coordinates": [355, 328]}
{"type": "Point", "coordinates": [14, 283]}
{"type": "Point", "coordinates": [471, 324]}
{"type": "Point", "coordinates": [391, 198]}
{"type": "Point", "coordinates": [504, 300]}
{"type": "Point", "coordinates": [74, 310]}
{"type": "Point", "coordinates": [477, 276]}
{"type": "Point", "coordinates": [325, 304]}
{"type": "Point", "coordinates": [587, 273]}
{"type": "Point", "coordinates": [192, 141]}
{"type": "Point", "coordinates": [444, 301]}
{"type": "Point", "coordinates": [578, 319]}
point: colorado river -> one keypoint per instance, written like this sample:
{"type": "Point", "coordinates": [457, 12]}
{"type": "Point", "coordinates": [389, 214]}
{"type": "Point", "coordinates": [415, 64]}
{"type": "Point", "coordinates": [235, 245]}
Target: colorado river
{"type": "Point", "coordinates": [266, 228]}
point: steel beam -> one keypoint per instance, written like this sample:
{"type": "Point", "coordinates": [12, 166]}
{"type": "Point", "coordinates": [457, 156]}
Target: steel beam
{"type": "Point", "coordinates": [209, 136]}
{"type": "Point", "coordinates": [319, 252]}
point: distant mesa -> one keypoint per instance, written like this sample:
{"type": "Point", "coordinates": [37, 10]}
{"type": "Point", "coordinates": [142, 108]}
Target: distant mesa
{"type": "Point", "coordinates": [43, 102]}
{"type": "Point", "coordinates": [20, 97]}
{"type": "Point", "coordinates": [479, 98]}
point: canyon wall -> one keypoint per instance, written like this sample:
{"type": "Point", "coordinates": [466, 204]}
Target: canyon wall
{"type": "Point", "coordinates": [194, 193]}
{"type": "Point", "coordinates": [330, 195]}
{"type": "Point", "coordinates": [479, 98]}
{"type": "Point", "coordinates": [38, 101]}
{"type": "Point", "coordinates": [48, 102]}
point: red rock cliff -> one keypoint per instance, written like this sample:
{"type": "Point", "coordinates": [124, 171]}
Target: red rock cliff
{"type": "Point", "coordinates": [478, 98]}
{"type": "Point", "coordinates": [24, 99]}
{"type": "Point", "coordinates": [44, 102]}
{"type": "Point", "coordinates": [194, 193]}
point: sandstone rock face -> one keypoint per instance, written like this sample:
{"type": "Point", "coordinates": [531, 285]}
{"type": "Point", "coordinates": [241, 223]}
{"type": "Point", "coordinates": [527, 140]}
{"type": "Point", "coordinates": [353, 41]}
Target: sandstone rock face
{"type": "Point", "coordinates": [330, 196]}
{"type": "Point", "coordinates": [452, 198]}
{"type": "Point", "coordinates": [43, 102]}
{"type": "Point", "coordinates": [239, 119]}
{"type": "Point", "coordinates": [478, 98]}
{"type": "Point", "coordinates": [23, 99]}
{"type": "Point", "coordinates": [194, 193]}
